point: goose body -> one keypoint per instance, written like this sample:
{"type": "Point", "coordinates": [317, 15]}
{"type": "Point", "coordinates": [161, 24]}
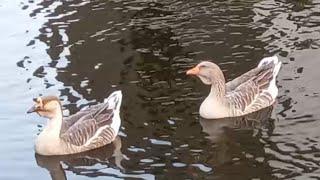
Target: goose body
{"type": "Point", "coordinates": [88, 129]}
{"type": "Point", "coordinates": [247, 93]}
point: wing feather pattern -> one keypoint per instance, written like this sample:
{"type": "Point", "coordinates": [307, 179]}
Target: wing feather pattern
{"type": "Point", "coordinates": [246, 93]}
{"type": "Point", "coordinates": [89, 126]}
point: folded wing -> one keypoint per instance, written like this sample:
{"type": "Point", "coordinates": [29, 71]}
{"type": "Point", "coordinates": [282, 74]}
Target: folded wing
{"type": "Point", "coordinates": [249, 91]}
{"type": "Point", "coordinates": [89, 126]}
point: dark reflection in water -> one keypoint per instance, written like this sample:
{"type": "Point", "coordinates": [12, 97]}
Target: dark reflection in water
{"type": "Point", "coordinates": [217, 127]}
{"type": "Point", "coordinates": [83, 50]}
{"type": "Point", "coordinates": [236, 142]}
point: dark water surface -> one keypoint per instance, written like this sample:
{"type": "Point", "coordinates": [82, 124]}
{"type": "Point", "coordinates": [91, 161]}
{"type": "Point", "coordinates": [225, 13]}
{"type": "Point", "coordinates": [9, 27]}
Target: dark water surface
{"type": "Point", "coordinates": [83, 50]}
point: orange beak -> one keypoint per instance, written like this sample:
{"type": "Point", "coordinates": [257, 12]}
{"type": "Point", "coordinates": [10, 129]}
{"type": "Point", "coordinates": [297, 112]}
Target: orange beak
{"type": "Point", "coordinates": [193, 71]}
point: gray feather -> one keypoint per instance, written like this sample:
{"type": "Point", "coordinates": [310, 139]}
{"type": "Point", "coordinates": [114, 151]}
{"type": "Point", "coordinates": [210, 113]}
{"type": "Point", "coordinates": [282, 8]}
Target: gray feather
{"type": "Point", "coordinates": [79, 128]}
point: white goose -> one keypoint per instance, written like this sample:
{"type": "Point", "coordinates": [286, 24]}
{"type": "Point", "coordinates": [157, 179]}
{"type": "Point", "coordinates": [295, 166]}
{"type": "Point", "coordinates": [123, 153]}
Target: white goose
{"type": "Point", "coordinates": [247, 93]}
{"type": "Point", "coordinates": [88, 129]}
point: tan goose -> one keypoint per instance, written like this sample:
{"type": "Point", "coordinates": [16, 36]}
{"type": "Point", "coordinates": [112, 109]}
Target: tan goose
{"type": "Point", "coordinates": [247, 93]}
{"type": "Point", "coordinates": [88, 129]}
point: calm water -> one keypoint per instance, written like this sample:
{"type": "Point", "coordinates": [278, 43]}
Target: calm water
{"type": "Point", "coordinates": [81, 51]}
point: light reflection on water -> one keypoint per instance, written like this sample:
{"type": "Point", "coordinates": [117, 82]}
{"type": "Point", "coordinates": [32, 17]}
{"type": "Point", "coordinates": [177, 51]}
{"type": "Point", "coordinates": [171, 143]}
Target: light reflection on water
{"type": "Point", "coordinates": [83, 50]}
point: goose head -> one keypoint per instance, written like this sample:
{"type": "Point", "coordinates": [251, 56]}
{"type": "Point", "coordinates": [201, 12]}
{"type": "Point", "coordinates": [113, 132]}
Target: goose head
{"type": "Point", "coordinates": [47, 106]}
{"type": "Point", "coordinates": [208, 72]}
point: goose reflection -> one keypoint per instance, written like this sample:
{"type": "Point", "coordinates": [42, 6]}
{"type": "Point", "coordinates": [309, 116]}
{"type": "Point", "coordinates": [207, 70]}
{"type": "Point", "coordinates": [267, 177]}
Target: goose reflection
{"type": "Point", "coordinates": [83, 163]}
{"type": "Point", "coordinates": [215, 128]}
{"type": "Point", "coordinates": [233, 138]}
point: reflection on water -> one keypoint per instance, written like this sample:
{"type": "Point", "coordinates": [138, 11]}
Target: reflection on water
{"type": "Point", "coordinates": [92, 163]}
{"type": "Point", "coordinates": [82, 50]}
{"type": "Point", "coordinates": [236, 141]}
{"type": "Point", "coordinates": [218, 128]}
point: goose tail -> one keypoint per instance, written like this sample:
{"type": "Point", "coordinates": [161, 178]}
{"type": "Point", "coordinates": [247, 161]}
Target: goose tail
{"type": "Point", "coordinates": [272, 89]}
{"type": "Point", "coordinates": [114, 103]}
{"type": "Point", "coordinates": [114, 100]}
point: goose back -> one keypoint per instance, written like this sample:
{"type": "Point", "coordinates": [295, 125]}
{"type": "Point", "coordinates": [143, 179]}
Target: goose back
{"type": "Point", "coordinates": [90, 127]}
{"type": "Point", "coordinates": [248, 92]}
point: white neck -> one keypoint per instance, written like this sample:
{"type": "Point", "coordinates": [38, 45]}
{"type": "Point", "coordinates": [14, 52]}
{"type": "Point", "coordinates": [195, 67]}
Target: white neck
{"type": "Point", "coordinates": [217, 91]}
{"type": "Point", "coordinates": [53, 125]}
{"type": "Point", "coordinates": [214, 105]}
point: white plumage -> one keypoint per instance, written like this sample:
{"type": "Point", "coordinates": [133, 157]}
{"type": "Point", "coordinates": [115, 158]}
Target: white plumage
{"type": "Point", "coordinates": [272, 89]}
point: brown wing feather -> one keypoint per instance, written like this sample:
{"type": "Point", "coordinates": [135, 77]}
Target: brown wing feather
{"type": "Point", "coordinates": [80, 132]}
{"type": "Point", "coordinates": [243, 95]}
{"type": "Point", "coordinates": [96, 111]}
{"type": "Point", "coordinates": [256, 72]}
{"type": "Point", "coordinates": [106, 136]}
{"type": "Point", "coordinates": [80, 127]}
{"type": "Point", "coordinates": [233, 84]}
{"type": "Point", "coordinates": [248, 93]}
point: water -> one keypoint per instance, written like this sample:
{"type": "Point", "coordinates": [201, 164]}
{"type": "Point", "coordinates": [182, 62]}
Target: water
{"type": "Point", "coordinates": [81, 51]}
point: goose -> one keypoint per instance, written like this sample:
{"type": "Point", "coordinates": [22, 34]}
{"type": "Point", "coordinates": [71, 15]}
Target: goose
{"type": "Point", "coordinates": [250, 92]}
{"type": "Point", "coordinates": [88, 129]}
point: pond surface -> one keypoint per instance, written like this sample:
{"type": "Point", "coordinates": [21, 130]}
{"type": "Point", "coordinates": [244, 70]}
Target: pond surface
{"type": "Point", "coordinates": [81, 51]}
